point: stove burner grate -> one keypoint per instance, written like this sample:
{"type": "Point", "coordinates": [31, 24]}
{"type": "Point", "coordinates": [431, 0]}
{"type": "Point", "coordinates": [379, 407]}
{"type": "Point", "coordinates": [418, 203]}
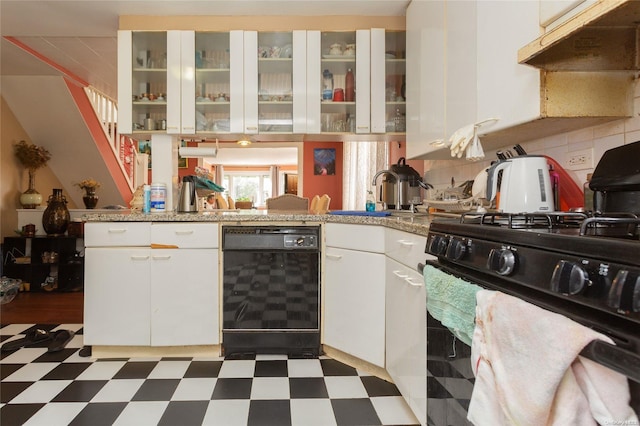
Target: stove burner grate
{"type": "Point", "coordinates": [551, 220]}
{"type": "Point", "coordinates": [621, 225]}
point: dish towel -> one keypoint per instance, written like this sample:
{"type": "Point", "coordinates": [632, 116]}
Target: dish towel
{"type": "Point", "coordinates": [528, 371]}
{"type": "Point", "coordinates": [452, 301]}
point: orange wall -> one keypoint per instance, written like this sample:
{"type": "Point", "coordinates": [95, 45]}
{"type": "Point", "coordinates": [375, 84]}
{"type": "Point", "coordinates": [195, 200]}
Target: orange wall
{"type": "Point", "coordinates": [319, 184]}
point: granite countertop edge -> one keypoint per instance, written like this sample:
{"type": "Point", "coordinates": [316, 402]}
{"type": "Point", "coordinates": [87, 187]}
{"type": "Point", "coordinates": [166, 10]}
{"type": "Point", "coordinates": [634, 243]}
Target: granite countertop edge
{"type": "Point", "coordinates": [414, 224]}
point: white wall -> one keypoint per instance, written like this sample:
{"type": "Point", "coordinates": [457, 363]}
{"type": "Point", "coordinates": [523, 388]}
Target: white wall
{"type": "Point", "coordinates": [559, 147]}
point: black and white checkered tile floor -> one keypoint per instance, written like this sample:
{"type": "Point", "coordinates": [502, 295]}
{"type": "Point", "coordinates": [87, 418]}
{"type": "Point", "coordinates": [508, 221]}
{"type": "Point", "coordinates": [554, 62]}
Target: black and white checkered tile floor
{"type": "Point", "coordinates": [63, 388]}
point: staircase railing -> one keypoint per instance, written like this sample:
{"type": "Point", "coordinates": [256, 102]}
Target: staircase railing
{"type": "Point", "coordinates": [124, 147]}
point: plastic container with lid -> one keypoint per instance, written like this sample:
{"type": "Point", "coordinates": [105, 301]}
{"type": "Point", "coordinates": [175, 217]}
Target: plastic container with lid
{"type": "Point", "coordinates": [158, 198]}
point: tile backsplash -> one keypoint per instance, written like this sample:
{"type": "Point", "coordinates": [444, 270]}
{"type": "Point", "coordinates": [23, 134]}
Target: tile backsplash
{"type": "Point", "coordinates": [560, 147]}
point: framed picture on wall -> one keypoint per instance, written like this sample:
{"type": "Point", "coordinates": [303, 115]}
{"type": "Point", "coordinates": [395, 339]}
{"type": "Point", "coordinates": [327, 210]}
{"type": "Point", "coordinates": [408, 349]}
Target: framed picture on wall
{"type": "Point", "coordinates": [144, 147]}
{"type": "Point", "coordinates": [324, 161]}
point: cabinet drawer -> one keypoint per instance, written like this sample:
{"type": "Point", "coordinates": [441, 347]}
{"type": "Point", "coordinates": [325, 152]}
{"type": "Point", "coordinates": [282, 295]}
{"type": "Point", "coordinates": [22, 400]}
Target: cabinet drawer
{"type": "Point", "coordinates": [185, 234]}
{"type": "Point", "coordinates": [111, 234]}
{"type": "Point", "coordinates": [404, 247]}
{"type": "Point", "coordinates": [355, 237]}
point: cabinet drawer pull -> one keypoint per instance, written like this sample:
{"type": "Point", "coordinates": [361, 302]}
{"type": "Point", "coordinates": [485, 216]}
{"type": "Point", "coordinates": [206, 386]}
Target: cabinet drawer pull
{"type": "Point", "coordinates": [140, 257]}
{"type": "Point", "coordinates": [410, 282]}
{"type": "Point", "coordinates": [399, 274]}
{"type": "Point", "coordinates": [161, 257]}
{"type": "Point", "coordinates": [186, 232]}
{"type": "Point", "coordinates": [333, 256]}
{"type": "Point", "coordinates": [250, 128]}
{"type": "Point", "coordinates": [405, 243]}
{"type": "Point", "coordinates": [117, 230]}
{"type": "Point", "coordinates": [172, 127]}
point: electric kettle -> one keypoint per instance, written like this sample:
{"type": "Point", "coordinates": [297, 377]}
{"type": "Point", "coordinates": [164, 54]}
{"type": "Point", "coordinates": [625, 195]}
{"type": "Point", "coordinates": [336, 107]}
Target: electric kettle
{"type": "Point", "coordinates": [525, 185]}
{"type": "Point", "coordinates": [188, 200]}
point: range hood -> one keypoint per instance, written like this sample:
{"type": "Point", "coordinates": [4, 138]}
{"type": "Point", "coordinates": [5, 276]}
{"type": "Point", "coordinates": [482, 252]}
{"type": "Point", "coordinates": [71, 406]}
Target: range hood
{"type": "Point", "coordinates": [603, 37]}
{"type": "Point", "coordinates": [588, 67]}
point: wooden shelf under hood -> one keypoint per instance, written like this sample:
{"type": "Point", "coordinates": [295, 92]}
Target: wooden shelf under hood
{"type": "Point", "coordinates": [601, 37]}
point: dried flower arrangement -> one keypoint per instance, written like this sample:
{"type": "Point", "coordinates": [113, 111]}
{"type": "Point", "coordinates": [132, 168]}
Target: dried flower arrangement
{"type": "Point", "coordinates": [31, 156]}
{"type": "Point", "coordinates": [90, 183]}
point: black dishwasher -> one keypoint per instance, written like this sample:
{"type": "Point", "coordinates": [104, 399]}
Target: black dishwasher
{"type": "Point", "coordinates": [271, 290]}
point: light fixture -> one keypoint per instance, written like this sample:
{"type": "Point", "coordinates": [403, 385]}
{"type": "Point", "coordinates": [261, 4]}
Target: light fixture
{"type": "Point", "coordinates": [244, 141]}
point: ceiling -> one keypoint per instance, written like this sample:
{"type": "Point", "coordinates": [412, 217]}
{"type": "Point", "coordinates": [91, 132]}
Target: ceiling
{"type": "Point", "coordinates": [80, 36]}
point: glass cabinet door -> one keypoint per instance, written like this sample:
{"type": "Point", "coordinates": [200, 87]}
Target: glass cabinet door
{"type": "Point", "coordinates": [149, 82]}
{"type": "Point", "coordinates": [388, 71]}
{"type": "Point", "coordinates": [275, 82]}
{"type": "Point", "coordinates": [343, 80]}
{"type": "Point", "coordinates": [213, 90]}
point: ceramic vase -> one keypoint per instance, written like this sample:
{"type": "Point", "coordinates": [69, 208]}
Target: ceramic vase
{"type": "Point", "coordinates": [56, 217]}
{"type": "Point", "coordinates": [30, 199]}
{"type": "Point", "coordinates": [90, 198]}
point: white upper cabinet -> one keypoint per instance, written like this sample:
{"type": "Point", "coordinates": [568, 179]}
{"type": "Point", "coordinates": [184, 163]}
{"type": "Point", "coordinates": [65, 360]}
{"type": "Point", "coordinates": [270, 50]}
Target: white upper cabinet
{"type": "Point", "coordinates": [275, 82]}
{"type": "Point", "coordinates": [465, 69]}
{"type": "Point", "coordinates": [330, 57]}
{"type": "Point", "coordinates": [426, 107]}
{"type": "Point", "coordinates": [388, 112]}
{"type": "Point", "coordinates": [249, 82]}
{"type": "Point", "coordinates": [142, 81]}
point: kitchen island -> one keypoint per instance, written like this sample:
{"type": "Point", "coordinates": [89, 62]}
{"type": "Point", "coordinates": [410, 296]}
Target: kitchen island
{"type": "Point", "coordinates": [153, 287]}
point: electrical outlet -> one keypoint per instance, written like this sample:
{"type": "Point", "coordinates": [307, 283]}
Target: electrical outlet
{"type": "Point", "coordinates": [580, 160]}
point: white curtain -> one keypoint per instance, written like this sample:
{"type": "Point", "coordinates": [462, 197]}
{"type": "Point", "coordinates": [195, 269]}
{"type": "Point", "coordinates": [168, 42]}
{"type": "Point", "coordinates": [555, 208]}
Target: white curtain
{"type": "Point", "coordinates": [361, 161]}
{"type": "Point", "coordinates": [219, 178]}
{"type": "Point", "coordinates": [275, 183]}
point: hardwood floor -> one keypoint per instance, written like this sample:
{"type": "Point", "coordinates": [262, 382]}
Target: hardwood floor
{"type": "Point", "coordinates": [44, 308]}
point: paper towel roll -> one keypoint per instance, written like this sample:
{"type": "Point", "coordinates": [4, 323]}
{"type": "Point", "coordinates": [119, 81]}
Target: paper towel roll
{"type": "Point", "coordinates": [191, 152]}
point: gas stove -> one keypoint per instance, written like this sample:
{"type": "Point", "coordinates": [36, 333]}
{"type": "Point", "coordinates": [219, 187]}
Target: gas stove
{"type": "Point", "coordinates": [589, 261]}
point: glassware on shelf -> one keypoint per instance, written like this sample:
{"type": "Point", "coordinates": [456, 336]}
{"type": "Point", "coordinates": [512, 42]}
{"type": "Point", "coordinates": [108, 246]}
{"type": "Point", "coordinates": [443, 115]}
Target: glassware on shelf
{"type": "Point", "coordinates": [399, 121]}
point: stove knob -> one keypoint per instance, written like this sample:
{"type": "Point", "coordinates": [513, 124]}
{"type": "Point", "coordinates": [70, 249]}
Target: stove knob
{"type": "Point", "coordinates": [456, 250]}
{"type": "Point", "coordinates": [625, 292]}
{"type": "Point", "coordinates": [438, 245]}
{"type": "Point", "coordinates": [502, 261]}
{"type": "Point", "coordinates": [300, 241]}
{"type": "Point", "coordinates": [569, 278]}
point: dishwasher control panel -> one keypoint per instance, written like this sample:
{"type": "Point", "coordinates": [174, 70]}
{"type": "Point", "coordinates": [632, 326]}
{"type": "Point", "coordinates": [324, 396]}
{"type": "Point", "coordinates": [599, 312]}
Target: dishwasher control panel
{"type": "Point", "coordinates": [270, 238]}
{"type": "Point", "coordinates": [302, 241]}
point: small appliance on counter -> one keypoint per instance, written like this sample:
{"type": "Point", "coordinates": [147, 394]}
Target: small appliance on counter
{"type": "Point", "coordinates": [525, 185]}
{"type": "Point", "coordinates": [188, 199]}
{"type": "Point", "coordinates": [409, 183]}
{"type": "Point", "coordinates": [616, 180]}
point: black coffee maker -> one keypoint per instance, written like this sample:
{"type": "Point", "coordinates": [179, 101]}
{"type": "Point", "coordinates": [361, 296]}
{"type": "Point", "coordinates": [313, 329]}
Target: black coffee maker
{"type": "Point", "coordinates": [616, 180]}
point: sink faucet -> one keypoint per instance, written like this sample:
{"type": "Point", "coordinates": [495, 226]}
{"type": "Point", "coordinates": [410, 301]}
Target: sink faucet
{"type": "Point", "coordinates": [395, 175]}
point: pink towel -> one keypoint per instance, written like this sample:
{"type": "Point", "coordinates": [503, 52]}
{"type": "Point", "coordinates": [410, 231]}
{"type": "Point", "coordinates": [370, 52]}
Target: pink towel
{"type": "Point", "coordinates": [528, 371]}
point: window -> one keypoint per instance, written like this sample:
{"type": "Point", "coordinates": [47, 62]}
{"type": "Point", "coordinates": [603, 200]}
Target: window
{"type": "Point", "coordinates": [254, 186]}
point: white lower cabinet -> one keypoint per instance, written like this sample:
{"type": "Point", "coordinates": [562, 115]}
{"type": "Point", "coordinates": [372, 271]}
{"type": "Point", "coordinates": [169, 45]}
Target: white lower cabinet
{"type": "Point", "coordinates": [354, 293]}
{"type": "Point", "coordinates": [406, 343]}
{"type": "Point", "coordinates": [184, 297]}
{"type": "Point", "coordinates": [136, 295]}
{"type": "Point", "coordinates": [116, 296]}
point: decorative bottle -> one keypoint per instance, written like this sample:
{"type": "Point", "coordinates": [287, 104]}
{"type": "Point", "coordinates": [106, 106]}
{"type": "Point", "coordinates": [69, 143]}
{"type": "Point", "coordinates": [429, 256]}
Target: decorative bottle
{"type": "Point", "coordinates": [370, 205]}
{"type": "Point", "coordinates": [349, 87]}
{"type": "Point", "coordinates": [56, 217]}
